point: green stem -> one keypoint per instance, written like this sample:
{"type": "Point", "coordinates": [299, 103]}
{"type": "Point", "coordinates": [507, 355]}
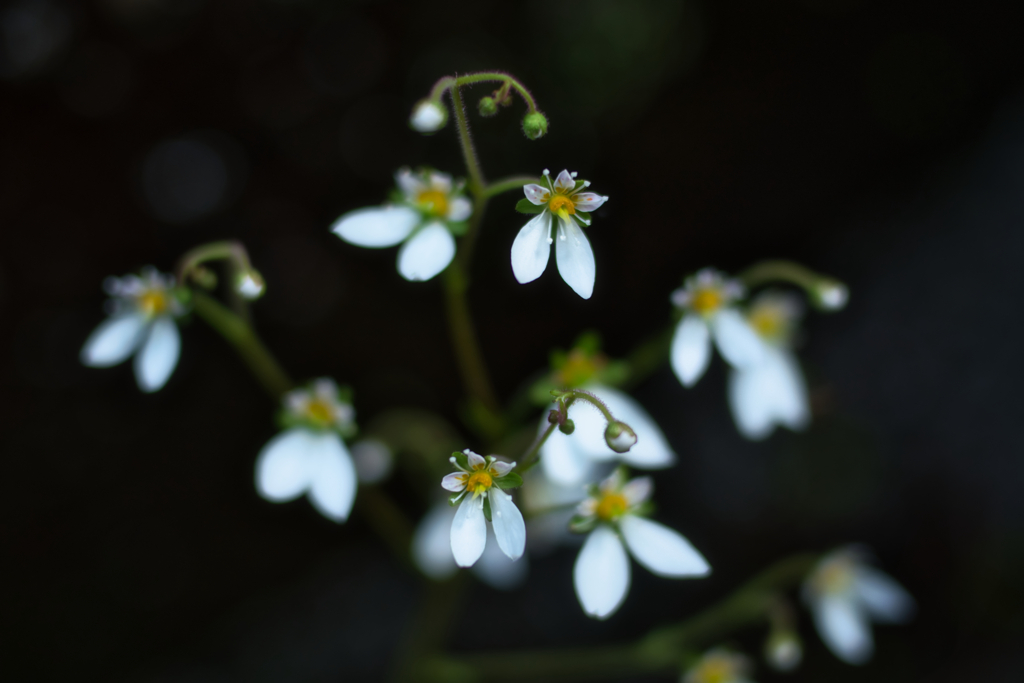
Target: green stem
{"type": "Point", "coordinates": [387, 520]}
{"type": "Point", "coordinates": [658, 652]}
{"type": "Point", "coordinates": [508, 184]}
{"type": "Point", "coordinates": [467, 351]}
{"type": "Point", "coordinates": [481, 77]}
{"type": "Point", "coordinates": [231, 251]}
{"type": "Point", "coordinates": [529, 458]}
{"type": "Point", "coordinates": [476, 174]}
{"type": "Point", "coordinates": [237, 332]}
{"type": "Point", "coordinates": [573, 395]}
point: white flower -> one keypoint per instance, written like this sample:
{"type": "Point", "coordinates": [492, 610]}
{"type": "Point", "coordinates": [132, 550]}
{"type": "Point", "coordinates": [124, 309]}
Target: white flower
{"type": "Point", "coordinates": [142, 312]}
{"type": "Point", "coordinates": [772, 391]}
{"type": "Point", "coordinates": [309, 456]}
{"type": "Point", "coordinates": [432, 553]}
{"type": "Point", "coordinates": [844, 595]}
{"type": "Point", "coordinates": [707, 299]}
{"type": "Point", "coordinates": [429, 210]}
{"type": "Point", "coordinates": [572, 458]}
{"type": "Point", "coordinates": [479, 481]}
{"type": "Point", "coordinates": [573, 255]}
{"type": "Point", "coordinates": [428, 116]}
{"type": "Point", "coordinates": [719, 666]}
{"type": "Point", "coordinates": [601, 574]}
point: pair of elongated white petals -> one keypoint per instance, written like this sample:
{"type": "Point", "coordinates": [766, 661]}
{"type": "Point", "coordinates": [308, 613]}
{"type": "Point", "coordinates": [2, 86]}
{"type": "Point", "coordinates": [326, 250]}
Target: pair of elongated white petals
{"type": "Point", "coordinates": [738, 343]}
{"type": "Point", "coordinates": [306, 461]}
{"type": "Point", "coordinates": [155, 342]}
{"type": "Point", "coordinates": [571, 459]}
{"type": "Point", "coordinates": [432, 552]}
{"type": "Point", "coordinates": [843, 619]}
{"type": "Point", "coordinates": [426, 251]}
{"type": "Point", "coordinates": [573, 255]}
{"type": "Point", "coordinates": [601, 574]}
{"type": "Point", "coordinates": [769, 393]}
{"type": "Point", "coordinates": [469, 527]}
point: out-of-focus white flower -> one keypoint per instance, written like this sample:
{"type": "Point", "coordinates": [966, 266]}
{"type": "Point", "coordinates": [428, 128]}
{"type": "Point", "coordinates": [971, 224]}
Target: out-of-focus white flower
{"type": "Point", "coordinates": [373, 460]}
{"type": "Point", "coordinates": [783, 650]}
{"type": "Point", "coordinates": [613, 511]}
{"type": "Point", "coordinates": [432, 552]}
{"type": "Point", "coordinates": [830, 295]}
{"type": "Point", "coordinates": [250, 285]}
{"type": "Point", "coordinates": [478, 481]}
{"type": "Point", "coordinates": [142, 312]}
{"type": "Point", "coordinates": [428, 116]}
{"type": "Point", "coordinates": [719, 666]}
{"type": "Point", "coordinates": [572, 458]}
{"type": "Point", "coordinates": [845, 595]}
{"type": "Point", "coordinates": [532, 247]}
{"type": "Point", "coordinates": [309, 456]}
{"type": "Point", "coordinates": [707, 299]}
{"type": "Point", "coordinates": [772, 391]}
{"type": "Point", "coordinates": [427, 211]}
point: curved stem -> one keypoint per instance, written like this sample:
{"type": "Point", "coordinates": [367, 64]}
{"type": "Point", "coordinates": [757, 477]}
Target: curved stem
{"type": "Point", "coordinates": [781, 271]}
{"type": "Point", "coordinates": [530, 457]}
{"type": "Point", "coordinates": [476, 175]}
{"type": "Point", "coordinates": [658, 651]}
{"type": "Point", "coordinates": [481, 77]}
{"type": "Point", "coordinates": [586, 396]}
{"type": "Point", "coordinates": [508, 184]}
{"type": "Point", "coordinates": [237, 332]}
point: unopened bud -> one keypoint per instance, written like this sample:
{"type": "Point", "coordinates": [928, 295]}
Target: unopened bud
{"type": "Point", "coordinates": [619, 436]}
{"type": "Point", "coordinates": [535, 125]}
{"type": "Point", "coordinates": [830, 295]}
{"type": "Point", "coordinates": [487, 106]}
{"type": "Point", "coordinates": [783, 650]}
{"type": "Point", "coordinates": [567, 427]}
{"type": "Point", "coordinates": [428, 116]}
{"type": "Point", "coordinates": [250, 285]}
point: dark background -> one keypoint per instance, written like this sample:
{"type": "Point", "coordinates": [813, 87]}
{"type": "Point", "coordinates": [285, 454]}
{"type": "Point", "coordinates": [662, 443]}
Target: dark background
{"type": "Point", "coordinates": [882, 142]}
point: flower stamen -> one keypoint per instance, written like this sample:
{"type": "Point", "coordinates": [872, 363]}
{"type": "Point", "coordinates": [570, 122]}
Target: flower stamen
{"type": "Point", "coordinates": [706, 300]}
{"type": "Point", "coordinates": [562, 205]}
{"type": "Point", "coordinates": [433, 201]}
{"type": "Point", "coordinates": [612, 506]}
{"type": "Point", "coordinates": [153, 302]}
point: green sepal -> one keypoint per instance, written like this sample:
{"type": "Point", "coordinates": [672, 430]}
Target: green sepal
{"type": "Point", "coordinates": [458, 228]}
{"type": "Point", "coordinates": [584, 217]}
{"type": "Point", "coordinates": [511, 480]}
{"type": "Point", "coordinates": [589, 342]}
{"type": "Point", "coordinates": [580, 524]}
{"type": "Point", "coordinates": [487, 509]}
{"type": "Point", "coordinates": [396, 196]}
{"type": "Point", "coordinates": [579, 185]}
{"type": "Point", "coordinates": [644, 509]}
{"type": "Point", "coordinates": [454, 499]}
{"type": "Point", "coordinates": [615, 373]}
{"type": "Point", "coordinates": [461, 459]}
{"type": "Point", "coordinates": [524, 205]}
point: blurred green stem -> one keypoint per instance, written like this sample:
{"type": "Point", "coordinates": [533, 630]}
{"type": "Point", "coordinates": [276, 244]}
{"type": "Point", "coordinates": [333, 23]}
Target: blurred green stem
{"type": "Point", "coordinates": [237, 332]}
{"type": "Point", "coordinates": [780, 271]}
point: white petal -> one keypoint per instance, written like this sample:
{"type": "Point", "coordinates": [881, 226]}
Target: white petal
{"type": "Point", "coordinates": [113, 341]}
{"type": "Point", "coordinates": [495, 568]}
{"type": "Point", "coordinates": [454, 482]}
{"type": "Point", "coordinates": [651, 450]}
{"type": "Point", "coordinates": [469, 531]}
{"type": "Point", "coordinates": [501, 468]}
{"type": "Point", "coordinates": [769, 393]}
{"type": "Point", "coordinates": [509, 527]}
{"type": "Point", "coordinates": [283, 470]}
{"type": "Point", "coordinates": [792, 408]}
{"type": "Point", "coordinates": [885, 600]}
{"type": "Point", "coordinates": [431, 544]}
{"type": "Point", "coordinates": [843, 628]}
{"type": "Point", "coordinates": [575, 258]}
{"type": "Point", "coordinates": [662, 550]}
{"type": "Point", "coordinates": [333, 487]}
{"type": "Point", "coordinates": [563, 461]}
{"type": "Point", "coordinates": [564, 183]}
{"type": "Point", "coordinates": [459, 209]}
{"type": "Point", "coordinates": [750, 399]}
{"type": "Point", "coordinates": [588, 201]}
{"type": "Point", "coordinates": [376, 226]}
{"type": "Point", "coordinates": [158, 356]}
{"type": "Point", "coordinates": [736, 339]}
{"type": "Point", "coordinates": [537, 194]}
{"type": "Point", "coordinates": [474, 460]}
{"type": "Point", "coordinates": [637, 490]}
{"type": "Point", "coordinates": [532, 248]}
{"type": "Point", "coordinates": [442, 182]}
{"type": "Point", "coordinates": [601, 573]}
{"type": "Point", "coordinates": [409, 183]}
{"type": "Point", "coordinates": [691, 349]}
{"type": "Point", "coordinates": [427, 253]}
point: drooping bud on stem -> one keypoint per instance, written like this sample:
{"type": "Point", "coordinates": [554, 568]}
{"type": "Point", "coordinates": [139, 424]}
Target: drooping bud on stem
{"type": "Point", "coordinates": [567, 427]}
{"type": "Point", "coordinates": [783, 650]}
{"type": "Point", "coordinates": [250, 284]}
{"type": "Point", "coordinates": [487, 106]}
{"type": "Point", "coordinates": [428, 116]}
{"type": "Point", "coordinates": [535, 125]}
{"type": "Point", "coordinates": [830, 295]}
{"type": "Point", "coordinates": [619, 436]}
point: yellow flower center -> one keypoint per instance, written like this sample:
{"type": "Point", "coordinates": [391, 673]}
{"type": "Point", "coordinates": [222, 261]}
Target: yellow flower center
{"type": "Point", "coordinates": [706, 301]}
{"type": "Point", "coordinates": [715, 671]}
{"type": "Point", "coordinates": [320, 412]}
{"type": "Point", "coordinates": [153, 302]}
{"type": "Point", "coordinates": [560, 203]}
{"type": "Point", "coordinates": [611, 506]}
{"type": "Point", "coordinates": [578, 369]}
{"type": "Point", "coordinates": [835, 577]}
{"type": "Point", "coordinates": [479, 482]}
{"type": "Point", "coordinates": [433, 201]}
{"type": "Point", "coordinates": [767, 322]}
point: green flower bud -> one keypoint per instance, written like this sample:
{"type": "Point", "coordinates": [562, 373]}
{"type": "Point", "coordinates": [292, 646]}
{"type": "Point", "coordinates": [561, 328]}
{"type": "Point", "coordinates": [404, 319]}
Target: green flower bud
{"type": "Point", "coordinates": [487, 106]}
{"type": "Point", "coordinates": [535, 125]}
{"type": "Point", "coordinates": [619, 436]}
{"type": "Point", "coordinates": [567, 427]}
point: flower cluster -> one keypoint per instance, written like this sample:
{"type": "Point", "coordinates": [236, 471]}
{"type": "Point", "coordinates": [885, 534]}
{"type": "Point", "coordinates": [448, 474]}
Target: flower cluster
{"type": "Point", "coordinates": [426, 212]}
{"type": "Point", "coordinates": [143, 309]}
{"type": "Point", "coordinates": [309, 456]}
